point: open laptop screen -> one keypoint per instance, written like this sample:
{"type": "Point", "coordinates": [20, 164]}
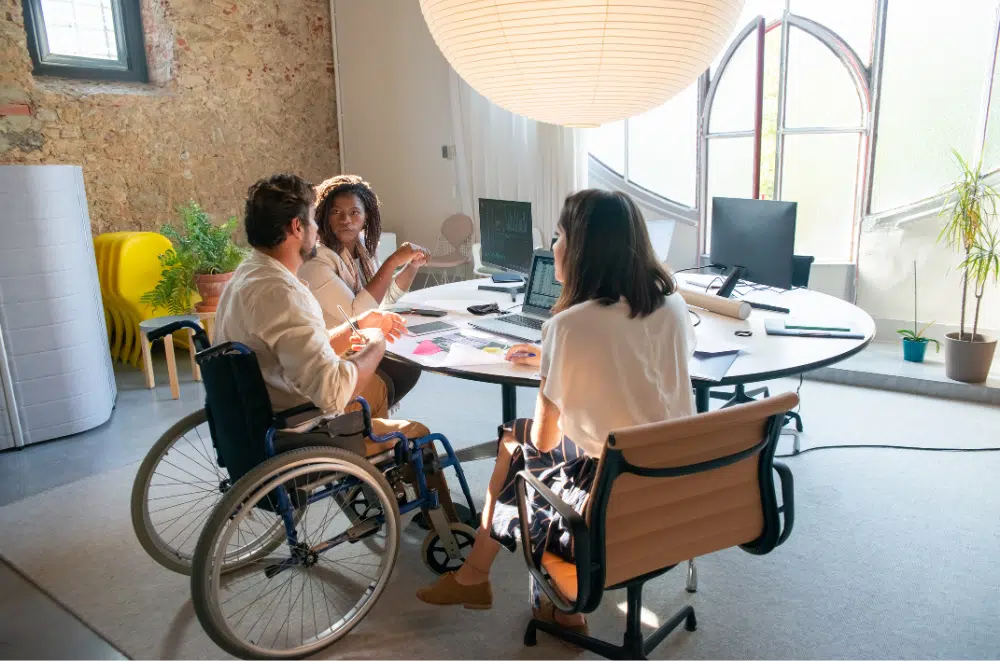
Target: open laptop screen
{"type": "Point", "coordinates": [543, 288]}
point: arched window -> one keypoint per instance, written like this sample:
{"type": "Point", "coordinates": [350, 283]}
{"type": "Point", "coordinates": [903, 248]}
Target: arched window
{"type": "Point", "coordinates": [786, 118]}
{"type": "Point", "coordinates": [849, 108]}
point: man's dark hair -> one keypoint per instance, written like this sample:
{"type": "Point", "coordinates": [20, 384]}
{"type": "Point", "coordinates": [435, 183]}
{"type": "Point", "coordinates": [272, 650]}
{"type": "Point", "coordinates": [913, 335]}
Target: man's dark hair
{"type": "Point", "coordinates": [608, 254]}
{"type": "Point", "coordinates": [272, 203]}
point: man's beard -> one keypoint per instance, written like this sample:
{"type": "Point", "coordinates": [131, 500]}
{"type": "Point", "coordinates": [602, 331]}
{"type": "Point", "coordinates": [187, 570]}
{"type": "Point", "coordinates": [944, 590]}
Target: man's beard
{"type": "Point", "coordinates": [308, 254]}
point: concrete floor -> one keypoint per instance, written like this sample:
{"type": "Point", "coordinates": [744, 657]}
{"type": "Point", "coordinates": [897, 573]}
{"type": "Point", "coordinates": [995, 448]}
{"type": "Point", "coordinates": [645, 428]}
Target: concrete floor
{"type": "Point", "coordinates": [29, 616]}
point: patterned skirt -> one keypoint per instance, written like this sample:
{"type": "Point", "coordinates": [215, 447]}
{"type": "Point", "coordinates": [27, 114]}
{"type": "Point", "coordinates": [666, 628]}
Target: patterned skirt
{"type": "Point", "coordinates": [566, 470]}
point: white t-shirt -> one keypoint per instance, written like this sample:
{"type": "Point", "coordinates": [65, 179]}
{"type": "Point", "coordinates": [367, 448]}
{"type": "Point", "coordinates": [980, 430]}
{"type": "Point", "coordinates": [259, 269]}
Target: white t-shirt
{"type": "Point", "coordinates": [605, 371]}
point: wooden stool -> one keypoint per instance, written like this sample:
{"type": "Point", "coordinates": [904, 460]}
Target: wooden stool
{"type": "Point", "coordinates": [168, 346]}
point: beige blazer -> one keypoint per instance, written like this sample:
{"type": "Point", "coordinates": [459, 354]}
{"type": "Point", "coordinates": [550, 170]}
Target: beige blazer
{"type": "Point", "coordinates": [335, 279]}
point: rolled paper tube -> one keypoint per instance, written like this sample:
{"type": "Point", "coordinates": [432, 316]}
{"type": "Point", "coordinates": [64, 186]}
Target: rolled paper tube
{"type": "Point", "coordinates": [724, 306]}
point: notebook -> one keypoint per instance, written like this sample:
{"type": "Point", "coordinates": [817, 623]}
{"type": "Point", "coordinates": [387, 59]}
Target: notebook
{"type": "Point", "coordinates": [711, 367]}
{"type": "Point", "coordinates": [778, 327]}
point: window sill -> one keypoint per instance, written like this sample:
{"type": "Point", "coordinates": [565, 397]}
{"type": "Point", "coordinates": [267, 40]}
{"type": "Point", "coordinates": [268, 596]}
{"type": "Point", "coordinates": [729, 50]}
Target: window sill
{"type": "Point", "coordinates": [83, 88]}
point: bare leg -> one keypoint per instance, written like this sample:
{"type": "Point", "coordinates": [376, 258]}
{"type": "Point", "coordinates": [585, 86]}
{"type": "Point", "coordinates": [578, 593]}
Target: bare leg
{"type": "Point", "coordinates": [484, 551]}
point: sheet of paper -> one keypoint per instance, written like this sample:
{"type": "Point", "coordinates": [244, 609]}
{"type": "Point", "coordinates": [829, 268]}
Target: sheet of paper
{"type": "Point", "coordinates": [463, 355]}
{"type": "Point", "coordinates": [711, 346]}
{"type": "Point", "coordinates": [427, 348]}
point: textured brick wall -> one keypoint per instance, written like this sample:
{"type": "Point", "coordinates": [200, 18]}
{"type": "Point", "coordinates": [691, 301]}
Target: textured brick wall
{"type": "Point", "coordinates": [239, 89]}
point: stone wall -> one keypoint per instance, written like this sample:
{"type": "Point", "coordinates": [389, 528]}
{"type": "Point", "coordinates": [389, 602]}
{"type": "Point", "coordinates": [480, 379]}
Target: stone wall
{"type": "Point", "coordinates": [239, 90]}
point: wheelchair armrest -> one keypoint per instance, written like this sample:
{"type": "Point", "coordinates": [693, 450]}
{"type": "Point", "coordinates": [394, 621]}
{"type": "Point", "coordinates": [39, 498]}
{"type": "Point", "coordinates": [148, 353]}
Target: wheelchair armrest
{"type": "Point", "coordinates": [787, 499]}
{"type": "Point", "coordinates": [581, 542]}
{"type": "Point", "coordinates": [200, 337]}
{"type": "Point", "coordinates": [282, 419]}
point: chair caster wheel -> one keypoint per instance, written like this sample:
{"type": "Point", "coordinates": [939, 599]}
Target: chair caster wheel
{"type": "Point", "coordinates": [530, 637]}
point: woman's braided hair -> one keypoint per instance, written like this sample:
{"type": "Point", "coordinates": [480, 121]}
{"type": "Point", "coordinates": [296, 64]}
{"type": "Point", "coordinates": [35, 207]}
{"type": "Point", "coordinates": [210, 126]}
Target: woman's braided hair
{"type": "Point", "coordinates": [327, 192]}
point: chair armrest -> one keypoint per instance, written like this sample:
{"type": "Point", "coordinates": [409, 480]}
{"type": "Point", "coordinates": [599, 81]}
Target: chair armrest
{"type": "Point", "coordinates": [578, 530]}
{"type": "Point", "coordinates": [282, 419]}
{"type": "Point", "coordinates": [787, 499]}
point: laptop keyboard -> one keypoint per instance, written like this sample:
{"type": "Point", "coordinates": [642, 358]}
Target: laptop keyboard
{"type": "Point", "coordinates": [521, 320]}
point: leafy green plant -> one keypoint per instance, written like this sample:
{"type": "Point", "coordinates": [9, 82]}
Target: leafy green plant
{"type": "Point", "coordinates": [173, 292]}
{"type": "Point", "coordinates": [981, 264]}
{"type": "Point", "coordinates": [918, 335]}
{"type": "Point", "coordinates": [211, 245]}
{"type": "Point", "coordinates": [970, 209]}
{"type": "Point", "coordinates": [200, 248]}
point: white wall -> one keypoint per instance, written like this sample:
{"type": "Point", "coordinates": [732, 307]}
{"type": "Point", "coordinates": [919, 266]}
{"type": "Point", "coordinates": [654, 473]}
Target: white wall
{"type": "Point", "coordinates": [396, 114]}
{"type": "Point", "coordinates": [885, 282]}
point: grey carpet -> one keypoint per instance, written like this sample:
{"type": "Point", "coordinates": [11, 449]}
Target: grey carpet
{"type": "Point", "coordinates": [894, 555]}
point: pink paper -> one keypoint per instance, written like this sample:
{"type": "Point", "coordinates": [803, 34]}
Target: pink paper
{"type": "Point", "coordinates": [426, 348]}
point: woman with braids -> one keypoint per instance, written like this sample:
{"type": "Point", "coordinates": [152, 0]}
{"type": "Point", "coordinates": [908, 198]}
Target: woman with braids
{"type": "Point", "coordinates": [345, 272]}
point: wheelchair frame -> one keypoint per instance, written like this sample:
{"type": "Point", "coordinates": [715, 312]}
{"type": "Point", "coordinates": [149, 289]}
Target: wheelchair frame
{"type": "Point", "coordinates": [405, 452]}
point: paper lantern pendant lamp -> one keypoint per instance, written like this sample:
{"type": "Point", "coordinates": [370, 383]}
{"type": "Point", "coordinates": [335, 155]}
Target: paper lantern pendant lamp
{"type": "Point", "coordinates": [580, 62]}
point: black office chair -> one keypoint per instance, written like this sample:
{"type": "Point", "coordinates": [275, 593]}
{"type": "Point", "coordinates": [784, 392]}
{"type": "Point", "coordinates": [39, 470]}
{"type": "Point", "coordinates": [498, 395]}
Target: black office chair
{"type": "Point", "coordinates": [801, 266]}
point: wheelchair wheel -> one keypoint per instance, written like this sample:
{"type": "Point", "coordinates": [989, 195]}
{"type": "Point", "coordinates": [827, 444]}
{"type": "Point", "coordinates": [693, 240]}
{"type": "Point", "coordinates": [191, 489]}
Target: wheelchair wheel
{"type": "Point", "coordinates": [435, 555]}
{"type": "Point", "coordinates": [175, 490]}
{"type": "Point", "coordinates": [309, 591]}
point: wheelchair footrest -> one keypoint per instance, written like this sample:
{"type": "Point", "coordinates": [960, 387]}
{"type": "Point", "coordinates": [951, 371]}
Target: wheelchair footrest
{"type": "Point", "coordinates": [463, 512]}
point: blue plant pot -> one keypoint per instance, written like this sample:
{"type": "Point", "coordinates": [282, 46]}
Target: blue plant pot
{"type": "Point", "coordinates": [914, 350]}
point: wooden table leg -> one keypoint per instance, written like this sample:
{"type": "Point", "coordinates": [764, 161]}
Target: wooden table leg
{"type": "Point", "coordinates": [147, 360]}
{"type": "Point", "coordinates": [168, 348]}
{"type": "Point", "coordinates": [194, 363]}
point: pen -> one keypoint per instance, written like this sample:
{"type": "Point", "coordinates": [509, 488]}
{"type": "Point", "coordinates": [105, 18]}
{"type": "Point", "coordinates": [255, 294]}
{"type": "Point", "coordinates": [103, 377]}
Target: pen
{"type": "Point", "coordinates": [354, 326]}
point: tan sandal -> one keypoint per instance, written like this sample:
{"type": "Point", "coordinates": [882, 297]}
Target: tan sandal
{"type": "Point", "coordinates": [547, 613]}
{"type": "Point", "coordinates": [446, 591]}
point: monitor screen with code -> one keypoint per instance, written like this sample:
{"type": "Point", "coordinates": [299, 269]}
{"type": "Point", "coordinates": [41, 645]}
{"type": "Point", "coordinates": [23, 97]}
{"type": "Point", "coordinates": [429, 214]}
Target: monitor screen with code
{"type": "Point", "coordinates": [505, 234]}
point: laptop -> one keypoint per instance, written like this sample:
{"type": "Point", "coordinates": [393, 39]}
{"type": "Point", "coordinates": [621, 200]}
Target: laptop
{"type": "Point", "coordinates": [541, 294]}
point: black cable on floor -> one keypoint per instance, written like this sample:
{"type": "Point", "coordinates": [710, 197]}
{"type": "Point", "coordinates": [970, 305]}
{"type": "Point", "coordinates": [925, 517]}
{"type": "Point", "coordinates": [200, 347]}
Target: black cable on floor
{"type": "Point", "coordinates": [883, 447]}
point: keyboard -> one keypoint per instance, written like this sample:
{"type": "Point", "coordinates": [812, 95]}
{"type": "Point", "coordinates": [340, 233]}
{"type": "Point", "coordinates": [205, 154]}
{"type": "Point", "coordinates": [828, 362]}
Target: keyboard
{"type": "Point", "coordinates": [521, 320]}
{"type": "Point", "coordinates": [528, 329]}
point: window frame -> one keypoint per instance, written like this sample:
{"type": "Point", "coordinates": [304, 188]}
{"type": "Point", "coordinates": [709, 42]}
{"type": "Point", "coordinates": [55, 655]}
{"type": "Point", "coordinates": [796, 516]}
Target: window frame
{"type": "Point", "coordinates": [129, 67]}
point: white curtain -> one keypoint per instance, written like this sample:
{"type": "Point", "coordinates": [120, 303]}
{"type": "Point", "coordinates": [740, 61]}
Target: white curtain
{"type": "Point", "coordinates": [505, 156]}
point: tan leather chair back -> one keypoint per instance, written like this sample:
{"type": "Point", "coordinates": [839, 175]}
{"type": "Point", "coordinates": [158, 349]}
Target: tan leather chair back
{"type": "Point", "coordinates": [656, 522]}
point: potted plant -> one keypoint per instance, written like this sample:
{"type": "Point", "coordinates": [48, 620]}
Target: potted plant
{"type": "Point", "coordinates": [914, 342]}
{"type": "Point", "coordinates": [971, 211]}
{"type": "Point", "coordinates": [203, 259]}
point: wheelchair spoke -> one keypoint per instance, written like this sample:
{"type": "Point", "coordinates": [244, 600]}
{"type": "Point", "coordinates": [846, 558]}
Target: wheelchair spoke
{"type": "Point", "coordinates": [208, 454]}
{"type": "Point", "coordinates": [278, 608]}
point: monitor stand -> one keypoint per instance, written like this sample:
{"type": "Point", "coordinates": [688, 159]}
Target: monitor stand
{"type": "Point", "coordinates": [508, 282]}
{"type": "Point", "coordinates": [508, 289]}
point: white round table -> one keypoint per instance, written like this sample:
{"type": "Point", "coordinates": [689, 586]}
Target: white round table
{"type": "Point", "coordinates": [764, 357]}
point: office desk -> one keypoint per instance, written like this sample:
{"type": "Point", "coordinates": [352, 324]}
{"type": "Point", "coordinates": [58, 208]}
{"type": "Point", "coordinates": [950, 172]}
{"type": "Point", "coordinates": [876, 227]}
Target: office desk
{"type": "Point", "coordinates": [766, 356]}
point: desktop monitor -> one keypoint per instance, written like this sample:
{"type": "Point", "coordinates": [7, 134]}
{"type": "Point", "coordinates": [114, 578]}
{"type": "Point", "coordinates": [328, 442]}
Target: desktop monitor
{"type": "Point", "coordinates": [505, 234]}
{"type": "Point", "coordinates": [758, 235]}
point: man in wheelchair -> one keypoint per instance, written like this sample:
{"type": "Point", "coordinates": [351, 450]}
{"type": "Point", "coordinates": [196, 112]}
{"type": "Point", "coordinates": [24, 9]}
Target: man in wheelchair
{"type": "Point", "coordinates": [268, 309]}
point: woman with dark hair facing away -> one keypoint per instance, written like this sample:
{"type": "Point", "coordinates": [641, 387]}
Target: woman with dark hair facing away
{"type": "Point", "coordinates": [614, 355]}
{"type": "Point", "coordinates": [345, 272]}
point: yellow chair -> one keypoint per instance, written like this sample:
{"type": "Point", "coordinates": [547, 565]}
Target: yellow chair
{"type": "Point", "coordinates": [138, 272]}
{"type": "Point", "coordinates": [105, 248]}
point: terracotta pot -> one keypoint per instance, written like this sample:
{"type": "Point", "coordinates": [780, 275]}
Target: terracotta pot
{"type": "Point", "coordinates": [210, 289]}
{"type": "Point", "coordinates": [967, 361]}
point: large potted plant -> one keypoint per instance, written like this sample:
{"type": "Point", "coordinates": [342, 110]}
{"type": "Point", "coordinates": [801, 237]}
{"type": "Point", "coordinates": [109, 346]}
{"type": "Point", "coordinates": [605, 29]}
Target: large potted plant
{"type": "Point", "coordinates": [971, 215]}
{"type": "Point", "coordinates": [203, 259]}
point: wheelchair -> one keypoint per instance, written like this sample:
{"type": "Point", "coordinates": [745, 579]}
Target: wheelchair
{"type": "Point", "coordinates": [287, 551]}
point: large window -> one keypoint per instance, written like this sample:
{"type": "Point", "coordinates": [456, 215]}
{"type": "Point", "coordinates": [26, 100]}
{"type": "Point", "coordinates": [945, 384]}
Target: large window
{"type": "Point", "coordinates": [850, 108]}
{"type": "Point", "coordinates": [96, 39]}
{"type": "Point", "coordinates": [936, 58]}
